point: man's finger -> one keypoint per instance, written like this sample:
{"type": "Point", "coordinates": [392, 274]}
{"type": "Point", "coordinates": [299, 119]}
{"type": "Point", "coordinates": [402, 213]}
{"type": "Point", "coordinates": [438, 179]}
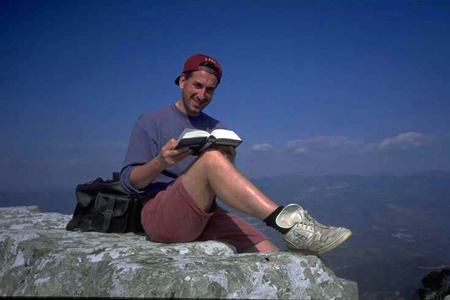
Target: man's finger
{"type": "Point", "coordinates": [183, 151]}
{"type": "Point", "coordinates": [171, 144]}
{"type": "Point", "coordinates": [180, 153]}
{"type": "Point", "coordinates": [174, 152]}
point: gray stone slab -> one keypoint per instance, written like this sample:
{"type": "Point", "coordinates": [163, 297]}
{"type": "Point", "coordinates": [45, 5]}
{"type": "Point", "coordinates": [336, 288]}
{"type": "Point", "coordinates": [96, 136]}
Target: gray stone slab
{"type": "Point", "coordinates": [38, 257]}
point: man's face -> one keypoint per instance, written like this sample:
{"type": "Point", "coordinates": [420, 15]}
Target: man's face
{"type": "Point", "coordinates": [198, 91]}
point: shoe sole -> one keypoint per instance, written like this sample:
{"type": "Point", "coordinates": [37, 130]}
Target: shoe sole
{"type": "Point", "coordinates": [336, 243]}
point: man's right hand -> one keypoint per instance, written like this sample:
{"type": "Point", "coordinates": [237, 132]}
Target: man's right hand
{"type": "Point", "coordinates": [143, 175]}
{"type": "Point", "coordinates": [168, 156]}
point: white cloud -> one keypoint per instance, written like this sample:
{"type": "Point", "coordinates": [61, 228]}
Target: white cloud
{"type": "Point", "coordinates": [319, 143]}
{"type": "Point", "coordinates": [264, 147]}
{"type": "Point", "coordinates": [300, 150]}
{"type": "Point", "coordinates": [403, 141]}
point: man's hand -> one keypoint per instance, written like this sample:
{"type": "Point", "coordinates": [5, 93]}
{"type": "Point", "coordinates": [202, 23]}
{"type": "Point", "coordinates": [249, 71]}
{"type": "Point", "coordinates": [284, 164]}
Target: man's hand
{"type": "Point", "coordinates": [229, 152]}
{"type": "Point", "coordinates": [169, 156]}
{"type": "Point", "coordinates": [143, 175]}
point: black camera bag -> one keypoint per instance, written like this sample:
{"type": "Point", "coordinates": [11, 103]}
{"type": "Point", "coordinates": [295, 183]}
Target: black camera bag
{"type": "Point", "coordinates": [103, 206]}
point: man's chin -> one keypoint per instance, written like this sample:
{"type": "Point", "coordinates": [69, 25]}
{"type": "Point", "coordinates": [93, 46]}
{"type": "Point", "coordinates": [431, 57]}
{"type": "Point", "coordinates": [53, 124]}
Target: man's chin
{"type": "Point", "coordinates": [194, 112]}
{"type": "Point", "coordinates": [197, 109]}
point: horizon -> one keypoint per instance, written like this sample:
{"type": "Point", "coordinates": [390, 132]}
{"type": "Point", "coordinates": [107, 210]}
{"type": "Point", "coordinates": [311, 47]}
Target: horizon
{"type": "Point", "coordinates": [312, 87]}
{"type": "Point", "coordinates": [366, 176]}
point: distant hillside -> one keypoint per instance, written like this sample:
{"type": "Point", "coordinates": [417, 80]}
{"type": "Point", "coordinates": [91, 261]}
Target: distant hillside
{"type": "Point", "coordinates": [61, 201]}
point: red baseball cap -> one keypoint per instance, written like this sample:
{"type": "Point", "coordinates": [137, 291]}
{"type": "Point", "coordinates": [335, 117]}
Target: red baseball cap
{"type": "Point", "coordinates": [194, 62]}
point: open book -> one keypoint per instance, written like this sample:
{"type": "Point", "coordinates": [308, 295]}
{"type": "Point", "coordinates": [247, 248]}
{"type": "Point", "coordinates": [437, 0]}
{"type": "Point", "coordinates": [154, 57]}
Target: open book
{"type": "Point", "coordinates": [200, 140]}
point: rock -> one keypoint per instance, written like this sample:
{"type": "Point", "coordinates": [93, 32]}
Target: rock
{"type": "Point", "coordinates": [435, 285]}
{"type": "Point", "coordinates": [38, 257]}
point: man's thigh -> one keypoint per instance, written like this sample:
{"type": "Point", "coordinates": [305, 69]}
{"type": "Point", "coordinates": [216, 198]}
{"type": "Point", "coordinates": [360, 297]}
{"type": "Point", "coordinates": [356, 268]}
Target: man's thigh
{"type": "Point", "coordinates": [173, 216]}
{"type": "Point", "coordinates": [197, 175]}
{"type": "Point", "coordinates": [225, 226]}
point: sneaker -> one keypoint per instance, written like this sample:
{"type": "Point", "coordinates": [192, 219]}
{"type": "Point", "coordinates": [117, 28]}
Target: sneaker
{"type": "Point", "coordinates": [306, 235]}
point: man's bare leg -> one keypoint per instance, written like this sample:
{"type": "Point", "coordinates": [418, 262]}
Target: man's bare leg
{"type": "Point", "coordinates": [213, 175]}
{"type": "Point", "coordinates": [264, 246]}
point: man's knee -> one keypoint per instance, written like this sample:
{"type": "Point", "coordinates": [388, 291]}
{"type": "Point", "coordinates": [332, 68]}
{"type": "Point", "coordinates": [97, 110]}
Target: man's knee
{"type": "Point", "coordinates": [213, 156]}
{"type": "Point", "coordinates": [210, 159]}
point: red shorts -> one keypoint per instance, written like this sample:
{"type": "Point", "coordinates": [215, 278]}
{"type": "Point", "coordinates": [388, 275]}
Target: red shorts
{"type": "Point", "coordinates": [174, 217]}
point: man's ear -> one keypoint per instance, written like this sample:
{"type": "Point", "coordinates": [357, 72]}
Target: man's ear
{"type": "Point", "coordinates": [182, 81]}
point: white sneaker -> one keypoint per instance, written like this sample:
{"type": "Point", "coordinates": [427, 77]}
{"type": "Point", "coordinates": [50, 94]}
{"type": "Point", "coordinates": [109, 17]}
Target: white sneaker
{"type": "Point", "coordinates": [306, 234]}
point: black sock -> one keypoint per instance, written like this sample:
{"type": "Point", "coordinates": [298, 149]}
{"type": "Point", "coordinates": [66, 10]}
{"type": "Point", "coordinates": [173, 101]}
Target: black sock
{"type": "Point", "coordinates": [270, 220]}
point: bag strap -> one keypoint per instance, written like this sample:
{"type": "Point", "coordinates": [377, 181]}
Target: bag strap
{"type": "Point", "coordinates": [109, 213]}
{"type": "Point", "coordinates": [170, 174]}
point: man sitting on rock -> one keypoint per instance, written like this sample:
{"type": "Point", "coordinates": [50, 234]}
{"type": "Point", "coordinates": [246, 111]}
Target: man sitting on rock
{"type": "Point", "coordinates": [180, 189]}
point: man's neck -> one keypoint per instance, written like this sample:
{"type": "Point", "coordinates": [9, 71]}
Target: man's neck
{"type": "Point", "coordinates": [180, 105]}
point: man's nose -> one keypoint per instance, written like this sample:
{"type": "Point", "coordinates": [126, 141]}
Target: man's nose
{"type": "Point", "coordinates": [201, 94]}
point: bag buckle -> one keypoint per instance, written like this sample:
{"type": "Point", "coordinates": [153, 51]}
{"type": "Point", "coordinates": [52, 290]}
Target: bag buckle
{"type": "Point", "coordinates": [109, 213]}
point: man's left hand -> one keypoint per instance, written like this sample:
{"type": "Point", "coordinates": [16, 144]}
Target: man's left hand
{"type": "Point", "coordinates": [229, 152]}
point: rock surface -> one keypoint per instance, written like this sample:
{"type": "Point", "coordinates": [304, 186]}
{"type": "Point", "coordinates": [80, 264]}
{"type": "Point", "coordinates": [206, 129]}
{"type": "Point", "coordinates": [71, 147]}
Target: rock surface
{"type": "Point", "coordinates": [39, 258]}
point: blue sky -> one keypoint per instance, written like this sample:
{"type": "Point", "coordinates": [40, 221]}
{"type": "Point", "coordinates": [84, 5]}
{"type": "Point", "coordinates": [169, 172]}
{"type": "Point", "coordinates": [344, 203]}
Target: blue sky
{"type": "Point", "coordinates": [312, 87]}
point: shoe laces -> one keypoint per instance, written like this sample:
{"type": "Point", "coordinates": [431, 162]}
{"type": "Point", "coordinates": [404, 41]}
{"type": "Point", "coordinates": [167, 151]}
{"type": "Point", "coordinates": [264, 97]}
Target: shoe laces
{"type": "Point", "coordinates": [307, 220]}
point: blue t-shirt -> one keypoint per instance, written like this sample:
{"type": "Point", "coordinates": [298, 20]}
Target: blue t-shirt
{"type": "Point", "coordinates": [152, 131]}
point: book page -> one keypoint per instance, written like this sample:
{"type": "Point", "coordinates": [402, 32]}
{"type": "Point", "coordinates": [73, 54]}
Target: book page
{"type": "Point", "coordinates": [192, 133]}
{"type": "Point", "coordinates": [225, 134]}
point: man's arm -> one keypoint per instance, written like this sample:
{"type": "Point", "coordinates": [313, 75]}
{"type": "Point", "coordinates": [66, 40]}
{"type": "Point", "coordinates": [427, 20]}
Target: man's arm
{"type": "Point", "coordinates": [143, 175]}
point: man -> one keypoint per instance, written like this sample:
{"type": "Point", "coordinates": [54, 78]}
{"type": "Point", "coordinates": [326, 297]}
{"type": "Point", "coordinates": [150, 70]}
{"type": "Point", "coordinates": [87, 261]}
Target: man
{"type": "Point", "coordinates": [181, 189]}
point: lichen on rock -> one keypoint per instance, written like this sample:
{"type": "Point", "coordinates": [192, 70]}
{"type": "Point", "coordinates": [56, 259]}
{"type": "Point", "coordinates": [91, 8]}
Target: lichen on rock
{"type": "Point", "coordinates": [38, 257]}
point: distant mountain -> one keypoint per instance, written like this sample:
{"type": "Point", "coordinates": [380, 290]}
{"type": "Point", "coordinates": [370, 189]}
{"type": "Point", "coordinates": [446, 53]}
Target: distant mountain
{"type": "Point", "coordinates": [61, 201]}
{"type": "Point", "coordinates": [432, 174]}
